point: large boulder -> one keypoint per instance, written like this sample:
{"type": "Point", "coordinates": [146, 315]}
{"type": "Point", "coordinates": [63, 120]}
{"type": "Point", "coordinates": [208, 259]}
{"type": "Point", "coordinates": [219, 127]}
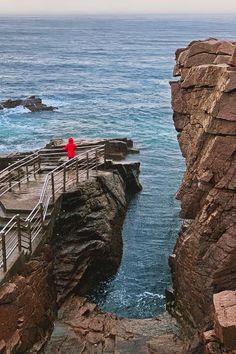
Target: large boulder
{"type": "Point", "coordinates": [225, 318]}
{"type": "Point", "coordinates": [35, 104]}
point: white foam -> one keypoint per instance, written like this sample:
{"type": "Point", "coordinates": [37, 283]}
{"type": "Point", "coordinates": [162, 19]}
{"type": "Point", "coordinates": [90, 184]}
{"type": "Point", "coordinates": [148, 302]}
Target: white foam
{"type": "Point", "coordinates": [17, 110]}
{"type": "Point", "coordinates": [149, 294]}
{"type": "Point", "coordinates": [55, 102]}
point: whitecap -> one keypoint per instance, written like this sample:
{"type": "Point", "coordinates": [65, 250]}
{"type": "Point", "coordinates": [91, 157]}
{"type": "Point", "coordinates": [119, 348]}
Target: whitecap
{"type": "Point", "coordinates": [16, 110]}
{"type": "Point", "coordinates": [149, 294]}
{"type": "Point", "coordinates": [53, 101]}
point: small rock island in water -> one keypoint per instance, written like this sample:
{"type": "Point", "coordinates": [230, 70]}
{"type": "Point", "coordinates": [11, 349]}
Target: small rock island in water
{"type": "Point", "coordinates": [33, 103]}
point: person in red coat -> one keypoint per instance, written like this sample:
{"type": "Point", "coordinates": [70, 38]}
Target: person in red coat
{"type": "Point", "coordinates": [70, 148]}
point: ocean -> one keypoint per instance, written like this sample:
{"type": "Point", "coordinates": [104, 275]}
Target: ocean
{"type": "Point", "coordinates": [109, 77]}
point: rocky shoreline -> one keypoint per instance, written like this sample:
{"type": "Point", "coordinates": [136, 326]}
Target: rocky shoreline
{"type": "Point", "coordinates": [81, 327]}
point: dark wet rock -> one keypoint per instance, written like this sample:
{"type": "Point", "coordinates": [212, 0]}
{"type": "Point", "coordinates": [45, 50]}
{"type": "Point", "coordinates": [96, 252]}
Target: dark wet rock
{"type": "Point", "coordinates": [88, 234]}
{"type": "Point", "coordinates": [33, 103]}
{"type": "Point", "coordinates": [11, 103]}
{"type": "Point", "coordinates": [129, 171]}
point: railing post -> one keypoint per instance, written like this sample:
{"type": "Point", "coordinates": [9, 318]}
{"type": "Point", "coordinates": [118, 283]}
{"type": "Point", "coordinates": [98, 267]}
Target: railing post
{"type": "Point", "coordinates": [64, 179]}
{"type": "Point", "coordinates": [39, 162]}
{"type": "Point", "coordinates": [18, 175]}
{"type": "Point", "coordinates": [19, 232]}
{"type": "Point", "coordinates": [30, 236]}
{"type": "Point", "coordinates": [96, 154]}
{"type": "Point", "coordinates": [105, 153]}
{"type": "Point", "coordinates": [34, 170]}
{"type": "Point", "coordinates": [77, 170]}
{"type": "Point", "coordinates": [10, 182]}
{"type": "Point", "coordinates": [41, 214]}
{"type": "Point", "coordinates": [53, 187]}
{"type": "Point", "coordinates": [87, 158]}
{"type": "Point", "coordinates": [4, 252]}
{"type": "Point", "coordinates": [27, 173]}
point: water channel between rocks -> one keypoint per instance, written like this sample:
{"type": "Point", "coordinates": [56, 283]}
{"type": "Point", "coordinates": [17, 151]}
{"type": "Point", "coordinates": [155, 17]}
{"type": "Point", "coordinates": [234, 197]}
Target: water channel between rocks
{"type": "Point", "coordinates": [149, 233]}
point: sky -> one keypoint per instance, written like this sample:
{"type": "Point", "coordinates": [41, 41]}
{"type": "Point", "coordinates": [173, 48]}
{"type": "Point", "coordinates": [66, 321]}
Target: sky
{"type": "Point", "coordinates": [115, 6]}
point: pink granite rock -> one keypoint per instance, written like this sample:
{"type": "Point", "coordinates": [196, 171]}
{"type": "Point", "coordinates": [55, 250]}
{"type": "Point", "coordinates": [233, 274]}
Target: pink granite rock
{"type": "Point", "coordinates": [225, 318]}
{"type": "Point", "coordinates": [203, 101]}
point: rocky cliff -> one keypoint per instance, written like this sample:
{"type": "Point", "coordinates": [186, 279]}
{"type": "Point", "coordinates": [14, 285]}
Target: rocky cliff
{"type": "Point", "coordinates": [87, 239]}
{"type": "Point", "coordinates": [204, 105]}
{"type": "Point", "coordinates": [86, 244]}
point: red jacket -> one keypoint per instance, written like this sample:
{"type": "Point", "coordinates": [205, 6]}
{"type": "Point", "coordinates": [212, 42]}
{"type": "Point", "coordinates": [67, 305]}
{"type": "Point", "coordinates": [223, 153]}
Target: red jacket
{"type": "Point", "coordinates": [70, 148]}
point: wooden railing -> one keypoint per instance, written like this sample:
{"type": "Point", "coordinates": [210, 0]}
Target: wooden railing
{"type": "Point", "coordinates": [21, 234]}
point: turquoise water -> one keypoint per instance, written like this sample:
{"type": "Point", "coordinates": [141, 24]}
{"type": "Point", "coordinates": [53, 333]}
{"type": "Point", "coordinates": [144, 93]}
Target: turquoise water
{"type": "Point", "coordinates": [109, 78]}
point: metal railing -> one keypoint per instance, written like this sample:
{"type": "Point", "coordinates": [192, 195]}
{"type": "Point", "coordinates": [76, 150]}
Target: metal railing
{"type": "Point", "coordinates": [15, 174]}
{"type": "Point", "coordinates": [51, 156]}
{"type": "Point", "coordinates": [18, 233]}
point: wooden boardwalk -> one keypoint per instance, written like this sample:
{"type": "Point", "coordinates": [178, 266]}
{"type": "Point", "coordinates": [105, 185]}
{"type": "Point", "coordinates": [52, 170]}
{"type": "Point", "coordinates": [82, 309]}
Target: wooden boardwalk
{"type": "Point", "coordinates": [29, 190]}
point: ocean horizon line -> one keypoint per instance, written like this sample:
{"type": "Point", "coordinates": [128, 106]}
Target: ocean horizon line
{"type": "Point", "coordinates": [114, 14]}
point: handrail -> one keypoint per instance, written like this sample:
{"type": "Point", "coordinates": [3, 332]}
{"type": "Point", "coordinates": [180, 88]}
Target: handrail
{"type": "Point", "coordinates": [79, 147]}
{"type": "Point", "coordinates": [71, 163]}
{"type": "Point", "coordinates": [9, 223]}
{"type": "Point", "coordinates": [10, 177]}
{"type": "Point", "coordinates": [18, 181]}
{"type": "Point", "coordinates": [8, 245]}
{"type": "Point", "coordinates": [21, 233]}
{"type": "Point", "coordinates": [73, 159]}
{"type": "Point", "coordinates": [15, 163]}
{"type": "Point", "coordinates": [59, 169]}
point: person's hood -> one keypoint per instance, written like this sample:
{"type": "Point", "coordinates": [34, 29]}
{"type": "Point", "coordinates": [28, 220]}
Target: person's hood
{"type": "Point", "coordinates": [71, 140]}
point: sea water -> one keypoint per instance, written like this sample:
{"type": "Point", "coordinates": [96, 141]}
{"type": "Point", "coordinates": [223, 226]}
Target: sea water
{"type": "Point", "coordinates": [109, 77]}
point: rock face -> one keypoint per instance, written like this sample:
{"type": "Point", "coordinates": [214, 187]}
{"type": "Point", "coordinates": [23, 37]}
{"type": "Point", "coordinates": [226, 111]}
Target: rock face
{"type": "Point", "coordinates": [33, 103]}
{"type": "Point", "coordinates": [86, 246]}
{"type": "Point", "coordinates": [27, 308]}
{"type": "Point", "coordinates": [88, 234]}
{"type": "Point", "coordinates": [204, 105]}
{"type": "Point", "coordinates": [222, 337]}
